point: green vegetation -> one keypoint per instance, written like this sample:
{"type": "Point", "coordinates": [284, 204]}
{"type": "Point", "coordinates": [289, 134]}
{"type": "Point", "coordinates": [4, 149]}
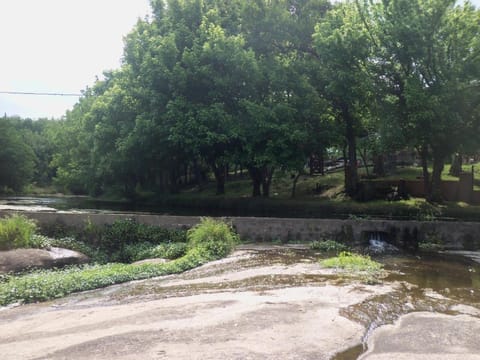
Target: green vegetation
{"type": "Point", "coordinates": [206, 94]}
{"type": "Point", "coordinates": [16, 231]}
{"type": "Point", "coordinates": [213, 236]}
{"type": "Point", "coordinates": [352, 264]}
{"type": "Point", "coordinates": [328, 246]}
{"type": "Point", "coordinates": [202, 247]}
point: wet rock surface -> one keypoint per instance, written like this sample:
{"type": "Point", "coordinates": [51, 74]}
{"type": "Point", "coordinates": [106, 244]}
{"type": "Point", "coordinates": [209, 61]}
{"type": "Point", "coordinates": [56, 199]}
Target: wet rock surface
{"type": "Point", "coordinates": [263, 302]}
{"type": "Point", "coordinates": [426, 336]}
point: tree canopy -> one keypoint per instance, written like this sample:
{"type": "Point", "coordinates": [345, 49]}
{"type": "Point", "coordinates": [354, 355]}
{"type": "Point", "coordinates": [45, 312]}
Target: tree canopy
{"type": "Point", "coordinates": [207, 85]}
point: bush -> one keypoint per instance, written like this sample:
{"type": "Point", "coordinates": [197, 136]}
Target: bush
{"type": "Point", "coordinates": [207, 241]}
{"type": "Point", "coordinates": [16, 232]}
{"type": "Point", "coordinates": [146, 250]}
{"type": "Point", "coordinates": [121, 233]}
{"type": "Point", "coordinates": [328, 246]}
{"type": "Point", "coordinates": [356, 265]}
{"type": "Point", "coordinates": [352, 262]}
{"type": "Point", "coordinates": [40, 241]}
{"type": "Point", "coordinates": [95, 254]}
{"type": "Point", "coordinates": [215, 237]}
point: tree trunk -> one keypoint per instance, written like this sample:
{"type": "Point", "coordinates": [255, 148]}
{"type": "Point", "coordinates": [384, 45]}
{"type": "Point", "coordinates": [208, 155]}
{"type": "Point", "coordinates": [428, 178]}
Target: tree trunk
{"type": "Point", "coordinates": [173, 180]}
{"type": "Point", "coordinates": [267, 180]}
{"type": "Point", "coordinates": [219, 172]}
{"type": "Point", "coordinates": [351, 173]}
{"type": "Point", "coordinates": [321, 162]}
{"type": "Point", "coordinates": [435, 194]}
{"type": "Point", "coordinates": [456, 167]}
{"type": "Point", "coordinates": [256, 177]}
{"type": "Point", "coordinates": [379, 165]}
{"type": "Point", "coordinates": [294, 185]}
{"type": "Point", "coordinates": [423, 152]}
{"type": "Point", "coordinates": [363, 155]}
{"type": "Point", "coordinates": [311, 164]}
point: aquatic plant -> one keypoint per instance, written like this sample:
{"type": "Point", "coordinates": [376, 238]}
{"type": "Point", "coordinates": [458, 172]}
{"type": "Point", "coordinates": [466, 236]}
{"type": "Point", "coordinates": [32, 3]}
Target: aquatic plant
{"type": "Point", "coordinates": [362, 266]}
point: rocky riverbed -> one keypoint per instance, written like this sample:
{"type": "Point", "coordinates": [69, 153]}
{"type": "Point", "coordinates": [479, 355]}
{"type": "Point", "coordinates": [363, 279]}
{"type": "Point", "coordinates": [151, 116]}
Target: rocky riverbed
{"type": "Point", "coordinates": [262, 302]}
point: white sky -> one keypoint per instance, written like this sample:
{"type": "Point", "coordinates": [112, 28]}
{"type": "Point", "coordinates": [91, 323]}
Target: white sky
{"type": "Point", "coordinates": [60, 46]}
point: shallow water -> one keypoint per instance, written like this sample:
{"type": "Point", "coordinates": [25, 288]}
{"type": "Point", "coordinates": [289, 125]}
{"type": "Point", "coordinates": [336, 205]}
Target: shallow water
{"type": "Point", "coordinates": [433, 283]}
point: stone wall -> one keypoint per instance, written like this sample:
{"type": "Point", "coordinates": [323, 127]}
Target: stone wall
{"type": "Point", "coordinates": [404, 234]}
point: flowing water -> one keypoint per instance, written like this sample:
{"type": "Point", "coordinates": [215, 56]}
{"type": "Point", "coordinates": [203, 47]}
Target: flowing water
{"type": "Point", "coordinates": [433, 283]}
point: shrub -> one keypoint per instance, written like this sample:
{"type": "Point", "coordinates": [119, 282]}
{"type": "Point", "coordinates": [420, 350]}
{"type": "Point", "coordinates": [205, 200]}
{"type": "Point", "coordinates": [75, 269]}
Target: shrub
{"type": "Point", "coordinates": [16, 232]}
{"type": "Point", "coordinates": [40, 241]}
{"type": "Point", "coordinates": [125, 232]}
{"type": "Point", "coordinates": [215, 237]}
{"type": "Point", "coordinates": [352, 262]}
{"type": "Point", "coordinates": [69, 242]}
{"type": "Point", "coordinates": [328, 246]}
{"type": "Point", "coordinates": [45, 285]}
{"type": "Point", "coordinates": [361, 266]}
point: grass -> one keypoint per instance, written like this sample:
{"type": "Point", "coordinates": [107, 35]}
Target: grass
{"type": "Point", "coordinates": [328, 203]}
{"type": "Point", "coordinates": [16, 232]}
{"type": "Point", "coordinates": [357, 265]}
{"type": "Point", "coordinates": [46, 285]}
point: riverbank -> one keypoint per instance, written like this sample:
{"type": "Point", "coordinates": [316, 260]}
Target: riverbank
{"type": "Point", "coordinates": [406, 235]}
{"type": "Point", "coordinates": [197, 204]}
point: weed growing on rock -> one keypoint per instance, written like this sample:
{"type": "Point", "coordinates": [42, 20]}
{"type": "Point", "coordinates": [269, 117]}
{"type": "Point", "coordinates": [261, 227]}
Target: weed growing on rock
{"type": "Point", "coordinates": [352, 264]}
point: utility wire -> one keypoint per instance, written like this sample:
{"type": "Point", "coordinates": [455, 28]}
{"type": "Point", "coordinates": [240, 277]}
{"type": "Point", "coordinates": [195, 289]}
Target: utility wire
{"type": "Point", "coordinates": [38, 93]}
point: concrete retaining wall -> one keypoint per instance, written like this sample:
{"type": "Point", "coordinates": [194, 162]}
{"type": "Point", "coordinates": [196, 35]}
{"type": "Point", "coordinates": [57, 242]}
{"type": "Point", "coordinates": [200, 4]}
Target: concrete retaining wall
{"type": "Point", "coordinates": [404, 234]}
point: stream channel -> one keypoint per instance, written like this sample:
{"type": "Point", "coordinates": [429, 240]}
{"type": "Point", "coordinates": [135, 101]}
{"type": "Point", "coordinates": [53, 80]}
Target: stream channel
{"type": "Point", "coordinates": [437, 283]}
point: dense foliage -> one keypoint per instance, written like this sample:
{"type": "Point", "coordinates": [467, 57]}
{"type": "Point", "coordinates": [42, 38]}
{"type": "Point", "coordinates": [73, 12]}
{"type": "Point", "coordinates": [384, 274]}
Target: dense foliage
{"type": "Point", "coordinates": [209, 240]}
{"type": "Point", "coordinates": [209, 86]}
{"type": "Point", "coordinates": [17, 231]}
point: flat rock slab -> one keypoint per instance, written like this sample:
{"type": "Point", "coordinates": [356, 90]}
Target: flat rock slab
{"type": "Point", "coordinates": [23, 259]}
{"type": "Point", "coordinates": [235, 308]}
{"type": "Point", "coordinates": [426, 336]}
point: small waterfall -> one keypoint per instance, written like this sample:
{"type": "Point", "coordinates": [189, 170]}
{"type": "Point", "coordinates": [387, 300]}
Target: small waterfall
{"type": "Point", "coordinates": [377, 243]}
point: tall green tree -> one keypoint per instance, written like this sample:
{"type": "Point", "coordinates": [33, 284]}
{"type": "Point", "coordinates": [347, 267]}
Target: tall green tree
{"type": "Point", "coordinates": [17, 159]}
{"type": "Point", "coordinates": [427, 56]}
{"type": "Point", "coordinates": [344, 50]}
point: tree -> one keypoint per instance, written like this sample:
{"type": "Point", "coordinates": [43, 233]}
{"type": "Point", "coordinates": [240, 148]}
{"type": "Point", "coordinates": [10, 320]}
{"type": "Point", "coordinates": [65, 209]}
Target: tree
{"type": "Point", "coordinates": [427, 57]}
{"type": "Point", "coordinates": [17, 159]}
{"type": "Point", "coordinates": [344, 49]}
